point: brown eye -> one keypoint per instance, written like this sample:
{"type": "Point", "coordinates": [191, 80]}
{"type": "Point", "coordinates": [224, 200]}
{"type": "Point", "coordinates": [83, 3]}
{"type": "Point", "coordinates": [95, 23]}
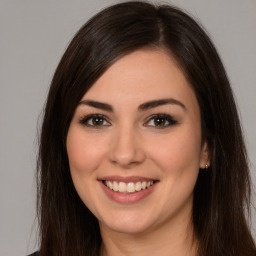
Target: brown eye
{"type": "Point", "coordinates": [160, 121]}
{"type": "Point", "coordinates": [95, 121]}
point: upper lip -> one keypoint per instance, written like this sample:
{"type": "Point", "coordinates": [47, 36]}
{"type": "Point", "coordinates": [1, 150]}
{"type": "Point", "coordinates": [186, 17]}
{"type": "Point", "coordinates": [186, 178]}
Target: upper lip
{"type": "Point", "coordinates": [126, 179]}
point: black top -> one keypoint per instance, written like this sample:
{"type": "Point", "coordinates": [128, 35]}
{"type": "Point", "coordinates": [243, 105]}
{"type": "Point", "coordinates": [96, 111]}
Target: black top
{"type": "Point", "coordinates": [34, 254]}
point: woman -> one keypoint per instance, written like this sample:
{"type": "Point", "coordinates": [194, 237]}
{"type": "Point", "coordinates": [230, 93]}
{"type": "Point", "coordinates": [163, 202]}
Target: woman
{"type": "Point", "coordinates": [141, 147]}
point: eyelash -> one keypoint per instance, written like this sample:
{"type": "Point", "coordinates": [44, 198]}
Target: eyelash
{"type": "Point", "coordinates": [102, 119]}
{"type": "Point", "coordinates": [85, 120]}
{"type": "Point", "coordinates": [165, 117]}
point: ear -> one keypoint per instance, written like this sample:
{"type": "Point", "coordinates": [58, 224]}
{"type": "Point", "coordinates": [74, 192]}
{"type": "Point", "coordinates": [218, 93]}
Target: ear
{"type": "Point", "coordinates": [205, 157]}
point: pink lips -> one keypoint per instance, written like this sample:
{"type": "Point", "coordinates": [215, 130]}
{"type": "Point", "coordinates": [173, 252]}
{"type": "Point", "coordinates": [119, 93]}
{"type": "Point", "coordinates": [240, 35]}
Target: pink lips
{"type": "Point", "coordinates": [126, 198]}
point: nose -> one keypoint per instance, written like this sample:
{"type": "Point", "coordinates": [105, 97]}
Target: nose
{"type": "Point", "coordinates": [126, 148]}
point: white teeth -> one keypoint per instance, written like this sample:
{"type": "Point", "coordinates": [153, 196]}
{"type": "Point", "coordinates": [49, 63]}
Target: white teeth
{"type": "Point", "coordinates": [129, 187]}
{"type": "Point", "coordinates": [122, 187]}
{"type": "Point", "coordinates": [138, 186]}
{"type": "Point", "coordinates": [109, 184]}
{"type": "Point", "coordinates": [115, 186]}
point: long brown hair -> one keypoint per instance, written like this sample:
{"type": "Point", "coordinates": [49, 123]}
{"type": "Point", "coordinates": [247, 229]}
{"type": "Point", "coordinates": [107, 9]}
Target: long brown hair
{"type": "Point", "coordinates": [222, 193]}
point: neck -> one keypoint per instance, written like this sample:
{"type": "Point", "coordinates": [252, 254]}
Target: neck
{"type": "Point", "coordinates": [177, 240]}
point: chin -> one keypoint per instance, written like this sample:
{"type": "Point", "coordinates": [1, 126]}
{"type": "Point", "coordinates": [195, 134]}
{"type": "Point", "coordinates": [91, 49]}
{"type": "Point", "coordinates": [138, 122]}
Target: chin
{"type": "Point", "coordinates": [128, 229]}
{"type": "Point", "coordinates": [127, 225]}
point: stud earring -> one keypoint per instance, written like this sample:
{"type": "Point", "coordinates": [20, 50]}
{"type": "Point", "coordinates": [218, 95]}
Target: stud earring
{"type": "Point", "coordinates": [206, 166]}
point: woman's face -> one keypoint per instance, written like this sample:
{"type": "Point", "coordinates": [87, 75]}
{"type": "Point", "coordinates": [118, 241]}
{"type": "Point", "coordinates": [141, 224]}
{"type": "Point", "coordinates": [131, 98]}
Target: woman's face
{"type": "Point", "coordinates": [134, 144]}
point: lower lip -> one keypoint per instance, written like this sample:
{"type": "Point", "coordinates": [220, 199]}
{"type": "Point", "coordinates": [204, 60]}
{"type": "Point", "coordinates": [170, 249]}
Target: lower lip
{"type": "Point", "coordinates": [128, 198]}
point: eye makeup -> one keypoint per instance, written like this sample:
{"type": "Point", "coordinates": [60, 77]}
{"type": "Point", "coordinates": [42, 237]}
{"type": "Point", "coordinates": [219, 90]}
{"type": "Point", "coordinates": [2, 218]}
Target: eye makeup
{"type": "Point", "coordinates": [160, 121]}
{"type": "Point", "coordinates": [95, 121]}
{"type": "Point", "coordinates": [157, 121]}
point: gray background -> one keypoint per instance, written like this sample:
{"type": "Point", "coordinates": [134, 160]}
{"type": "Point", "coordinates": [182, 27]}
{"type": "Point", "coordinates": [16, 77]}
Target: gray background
{"type": "Point", "coordinates": [34, 35]}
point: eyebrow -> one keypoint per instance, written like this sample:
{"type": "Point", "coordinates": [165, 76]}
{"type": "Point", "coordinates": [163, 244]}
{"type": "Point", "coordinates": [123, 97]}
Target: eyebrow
{"type": "Point", "coordinates": [96, 104]}
{"type": "Point", "coordinates": [157, 103]}
{"type": "Point", "coordinates": [142, 107]}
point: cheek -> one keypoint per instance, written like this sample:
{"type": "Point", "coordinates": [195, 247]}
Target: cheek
{"type": "Point", "coordinates": [178, 153]}
{"type": "Point", "coordinates": [85, 153]}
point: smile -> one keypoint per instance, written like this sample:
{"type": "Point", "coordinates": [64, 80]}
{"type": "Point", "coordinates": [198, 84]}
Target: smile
{"type": "Point", "coordinates": [129, 187]}
{"type": "Point", "coordinates": [127, 190]}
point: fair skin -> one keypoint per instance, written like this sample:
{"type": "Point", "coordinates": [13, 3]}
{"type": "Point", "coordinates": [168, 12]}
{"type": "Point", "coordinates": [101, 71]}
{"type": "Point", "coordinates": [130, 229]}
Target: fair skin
{"type": "Point", "coordinates": [148, 131]}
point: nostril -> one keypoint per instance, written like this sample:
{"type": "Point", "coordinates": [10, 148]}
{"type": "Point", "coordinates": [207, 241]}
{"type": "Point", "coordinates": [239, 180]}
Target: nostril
{"type": "Point", "coordinates": [127, 159]}
{"type": "Point", "coordinates": [125, 149]}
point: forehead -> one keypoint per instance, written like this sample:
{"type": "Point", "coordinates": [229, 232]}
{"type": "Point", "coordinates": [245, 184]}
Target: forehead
{"type": "Point", "coordinates": [142, 75]}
